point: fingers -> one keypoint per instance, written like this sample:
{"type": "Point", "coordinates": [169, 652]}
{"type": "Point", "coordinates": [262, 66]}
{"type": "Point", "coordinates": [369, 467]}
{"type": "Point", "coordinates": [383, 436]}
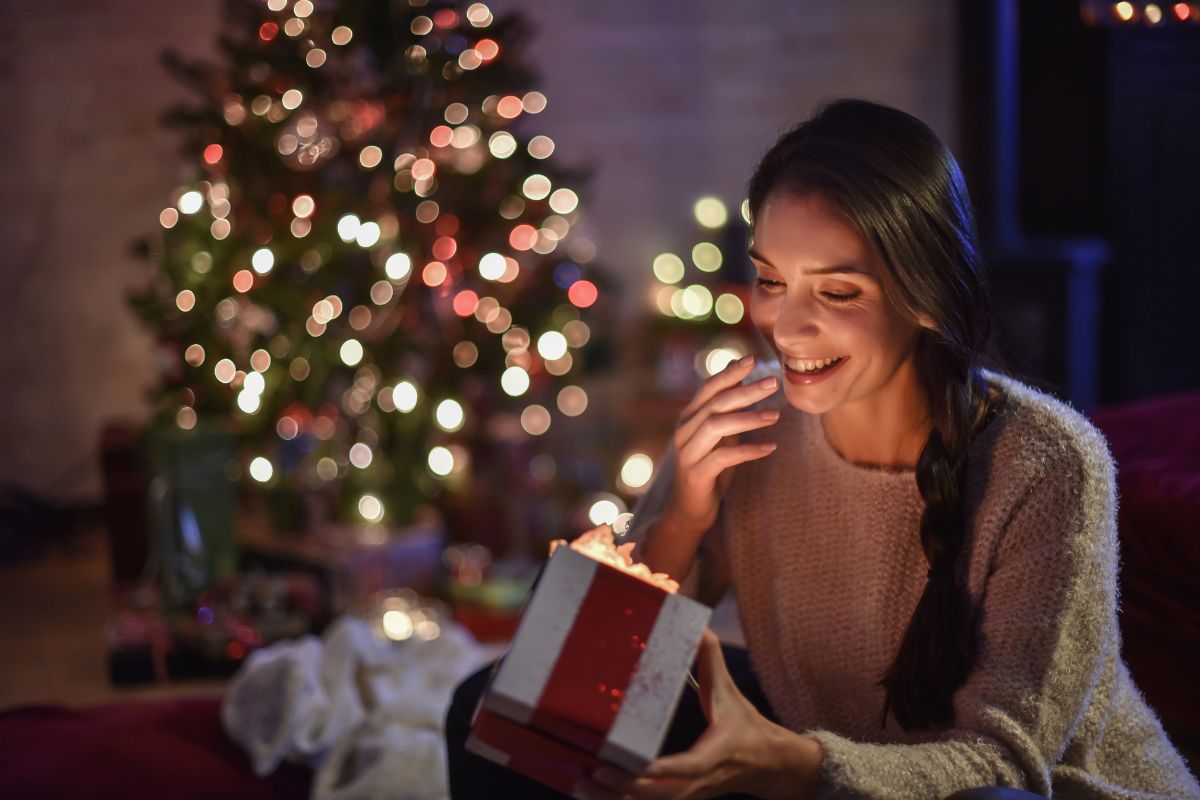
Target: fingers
{"type": "Point", "coordinates": [727, 399]}
{"type": "Point", "coordinates": [732, 375]}
{"type": "Point", "coordinates": [687, 765]}
{"type": "Point", "coordinates": [706, 471]}
{"type": "Point", "coordinates": [718, 426]}
{"type": "Point", "coordinates": [714, 673]}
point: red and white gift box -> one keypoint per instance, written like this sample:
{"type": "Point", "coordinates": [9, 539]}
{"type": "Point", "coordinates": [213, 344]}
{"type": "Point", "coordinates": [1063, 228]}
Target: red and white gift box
{"type": "Point", "coordinates": [592, 676]}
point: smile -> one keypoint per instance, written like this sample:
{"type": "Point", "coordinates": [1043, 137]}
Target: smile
{"type": "Point", "coordinates": [806, 371]}
{"type": "Point", "coordinates": [811, 364]}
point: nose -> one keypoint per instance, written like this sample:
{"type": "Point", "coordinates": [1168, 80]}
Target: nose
{"type": "Point", "coordinates": [796, 322]}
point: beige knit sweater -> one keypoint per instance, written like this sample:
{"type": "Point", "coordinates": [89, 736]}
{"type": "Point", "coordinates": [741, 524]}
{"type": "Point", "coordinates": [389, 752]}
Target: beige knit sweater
{"type": "Point", "coordinates": [824, 560]}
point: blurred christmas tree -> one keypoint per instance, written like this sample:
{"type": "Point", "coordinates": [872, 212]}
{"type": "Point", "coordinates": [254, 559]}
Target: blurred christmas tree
{"type": "Point", "coordinates": [701, 299]}
{"type": "Point", "coordinates": [373, 272]}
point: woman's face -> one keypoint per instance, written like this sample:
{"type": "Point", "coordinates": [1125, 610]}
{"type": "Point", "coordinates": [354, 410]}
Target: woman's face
{"type": "Point", "coordinates": [818, 296]}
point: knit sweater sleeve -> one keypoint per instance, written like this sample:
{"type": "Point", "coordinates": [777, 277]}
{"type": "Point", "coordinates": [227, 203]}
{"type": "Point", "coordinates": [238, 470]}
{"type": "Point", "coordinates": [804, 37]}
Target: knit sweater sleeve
{"type": "Point", "coordinates": [1046, 624]}
{"type": "Point", "coordinates": [708, 578]}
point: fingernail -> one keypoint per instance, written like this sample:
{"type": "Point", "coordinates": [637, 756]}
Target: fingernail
{"type": "Point", "coordinates": [767, 383]}
{"type": "Point", "coordinates": [768, 414]}
{"type": "Point", "coordinates": [744, 360]}
{"type": "Point", "coordinates": [767, 447]}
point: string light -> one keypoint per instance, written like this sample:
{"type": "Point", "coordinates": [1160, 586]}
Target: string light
{"type": "Point", "coordinates": [449, 415]}
{"type": "Point", "coordinates": [282, 251]}
{"type": "Point", "coordinates": [440, 461]}
{"type": "Point", "coordinates": [190, 202]}
{"type": "Point", "coordinates": [729, 308]}
{"type": "Point", "coordinates": [261, 469]}
{"type": "Point", "coordinates": [668, 268]}
{"type": "Point", "coordinates": [710, 212]}
{"type": "Point", "coordinates": [637, 471]}
{"type": "Point", "coordinates": [404, 396]}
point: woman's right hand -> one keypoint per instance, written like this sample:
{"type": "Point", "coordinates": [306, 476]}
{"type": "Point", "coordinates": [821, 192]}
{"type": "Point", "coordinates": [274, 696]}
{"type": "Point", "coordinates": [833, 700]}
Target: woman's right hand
{"type": "Point", "coordinates": [706, 444]}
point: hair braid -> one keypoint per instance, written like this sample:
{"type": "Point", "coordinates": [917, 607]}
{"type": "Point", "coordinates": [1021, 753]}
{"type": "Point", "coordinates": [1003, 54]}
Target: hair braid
{"type": "Point", "coordinates": [938, 648]}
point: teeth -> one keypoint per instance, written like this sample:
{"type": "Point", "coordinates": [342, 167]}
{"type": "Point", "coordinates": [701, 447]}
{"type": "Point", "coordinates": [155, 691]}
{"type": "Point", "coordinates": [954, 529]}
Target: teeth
{"type": "Point", "coordinates": [805, 365]}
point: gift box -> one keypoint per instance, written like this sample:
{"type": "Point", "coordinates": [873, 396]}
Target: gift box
{"type": "Point", "coordinates": [593, 675]}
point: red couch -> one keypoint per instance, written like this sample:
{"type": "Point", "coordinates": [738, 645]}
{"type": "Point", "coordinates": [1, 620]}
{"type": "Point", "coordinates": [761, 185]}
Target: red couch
{"type": "Point", "coordinates": [172, 750]}
{"type": "Point", "coordinates": [1156, 444]}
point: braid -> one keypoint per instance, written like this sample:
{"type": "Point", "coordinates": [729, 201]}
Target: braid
{"type": "Point", "coordinates": [938, 648]}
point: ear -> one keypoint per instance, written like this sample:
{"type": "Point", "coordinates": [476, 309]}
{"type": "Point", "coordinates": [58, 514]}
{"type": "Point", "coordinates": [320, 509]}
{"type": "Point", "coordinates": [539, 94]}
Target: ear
{"type": "Point", "coordinates": [926, 321]}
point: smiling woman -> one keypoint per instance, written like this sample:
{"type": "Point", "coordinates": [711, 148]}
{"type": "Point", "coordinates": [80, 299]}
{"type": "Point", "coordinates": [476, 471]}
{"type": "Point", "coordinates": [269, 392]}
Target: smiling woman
{"type": "Point", "coordinates": [923, 551]}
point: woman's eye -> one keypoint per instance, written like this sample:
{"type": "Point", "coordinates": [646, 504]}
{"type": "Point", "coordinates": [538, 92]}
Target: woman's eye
{"type": "Point", "coordinates": [833, 297]}
{"type": "Point", "coordinates": [767, 283]}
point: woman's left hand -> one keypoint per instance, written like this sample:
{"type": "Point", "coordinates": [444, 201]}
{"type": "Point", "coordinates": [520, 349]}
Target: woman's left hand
{"type": "Point", "coordinates": [741, 750]}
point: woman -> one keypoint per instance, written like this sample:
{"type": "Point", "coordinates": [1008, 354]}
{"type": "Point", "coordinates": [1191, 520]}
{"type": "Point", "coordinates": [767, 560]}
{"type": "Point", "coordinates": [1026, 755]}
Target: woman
{"type": "Point", "coordinates": [923, 552]}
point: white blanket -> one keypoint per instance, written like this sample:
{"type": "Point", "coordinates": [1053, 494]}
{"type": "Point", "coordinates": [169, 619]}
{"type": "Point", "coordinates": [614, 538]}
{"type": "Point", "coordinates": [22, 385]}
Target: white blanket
{"type": "Point", "coordinates": [366, 715]}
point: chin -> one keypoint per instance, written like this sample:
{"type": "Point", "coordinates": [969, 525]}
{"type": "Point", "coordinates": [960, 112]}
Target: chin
{"type": "Point", "coordinates": [804, 399]}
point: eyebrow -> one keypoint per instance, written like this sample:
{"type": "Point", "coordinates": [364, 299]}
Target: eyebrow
{"type": "Point", "coordinates": [833, 270]}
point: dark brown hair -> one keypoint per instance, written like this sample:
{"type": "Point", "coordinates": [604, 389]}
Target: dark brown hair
{"type": "Point", "coordinates": [895, 182]}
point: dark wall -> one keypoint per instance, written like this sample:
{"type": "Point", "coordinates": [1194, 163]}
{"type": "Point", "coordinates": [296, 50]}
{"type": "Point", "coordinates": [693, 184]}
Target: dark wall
{"type": "Point", "coordinates": [1106, 123]}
